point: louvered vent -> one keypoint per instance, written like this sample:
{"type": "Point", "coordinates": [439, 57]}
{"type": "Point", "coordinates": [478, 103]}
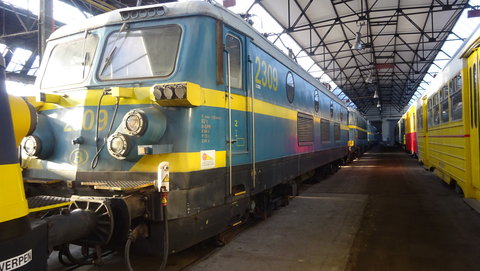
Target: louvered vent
{"type": "Point", "coordinates": [336, 131]}
{"type": "Point", "coordinates": [305, 129]}
{"type": "Point", "coordinates": [325, 131]}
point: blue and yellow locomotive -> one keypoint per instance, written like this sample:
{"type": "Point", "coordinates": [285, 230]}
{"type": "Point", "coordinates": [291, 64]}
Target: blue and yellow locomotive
{"type": "Point", "coordinates": [358, 134]}
{"type": "Point", "coordinates": [181, 104]}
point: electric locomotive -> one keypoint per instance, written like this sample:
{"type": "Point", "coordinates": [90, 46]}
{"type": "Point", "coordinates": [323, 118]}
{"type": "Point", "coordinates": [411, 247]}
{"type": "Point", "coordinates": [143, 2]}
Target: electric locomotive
{"type": "Point", "coordinates": [358, 134]}
{"type": "Point", "coordinates": [179, 104]}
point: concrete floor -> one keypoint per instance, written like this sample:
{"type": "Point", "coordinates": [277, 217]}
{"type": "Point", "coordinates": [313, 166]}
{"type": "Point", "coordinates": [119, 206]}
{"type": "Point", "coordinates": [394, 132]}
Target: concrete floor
{"type": "Point", "coordinates": [297, 237]}
{"type": "Point", "coordinates": [381, 212]}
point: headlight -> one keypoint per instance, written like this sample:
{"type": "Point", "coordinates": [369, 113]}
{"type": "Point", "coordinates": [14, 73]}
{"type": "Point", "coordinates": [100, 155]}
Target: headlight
{"type": "Point", "coordinates": [118, 145]}
{"type": "Point", "coordinates": [135, 123]}
{"type": "Point", "coordinates": [32, 146]}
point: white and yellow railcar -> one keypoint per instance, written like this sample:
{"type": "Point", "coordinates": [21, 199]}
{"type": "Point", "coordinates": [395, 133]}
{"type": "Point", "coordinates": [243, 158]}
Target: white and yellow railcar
{"type": "Point", "coordinates": [448, 118]}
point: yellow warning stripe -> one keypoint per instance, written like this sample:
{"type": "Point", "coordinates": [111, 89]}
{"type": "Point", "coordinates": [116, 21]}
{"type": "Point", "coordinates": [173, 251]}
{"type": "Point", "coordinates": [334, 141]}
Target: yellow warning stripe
{"type": "Point", "coordinates": [179, 162]}
{"type": "Point", "coordinates": [240, 193]}
{"type": "Point", "coordinates": [213, 98]}
{"type": "Point", "coordinates": [358, 128]}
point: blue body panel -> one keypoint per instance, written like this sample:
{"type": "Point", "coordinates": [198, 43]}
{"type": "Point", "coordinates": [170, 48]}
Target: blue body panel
{"type": "Point", "coordinates": [193, 129]}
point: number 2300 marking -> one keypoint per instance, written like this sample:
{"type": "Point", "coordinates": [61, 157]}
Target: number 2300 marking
{"type": "Point", "coordinates": [88, 122]}
{"type": "Point", "coordinates": [266, 75]}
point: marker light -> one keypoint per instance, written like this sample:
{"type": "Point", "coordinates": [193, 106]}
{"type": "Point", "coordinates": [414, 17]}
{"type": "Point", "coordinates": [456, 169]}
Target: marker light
{"type": "Point", "coordinates": [168, 92]}
{"type": "Point", "coordinates": [180, 91]}
{"type": "Point", "coordinates": [177, 94]}
{"type": "Point", "coordinates": [151, 12]}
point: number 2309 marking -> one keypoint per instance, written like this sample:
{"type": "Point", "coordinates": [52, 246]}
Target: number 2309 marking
{"type": "Point", "coordinates": [266, 75]}
{"type": "Point", "coordinates": [88, 122]}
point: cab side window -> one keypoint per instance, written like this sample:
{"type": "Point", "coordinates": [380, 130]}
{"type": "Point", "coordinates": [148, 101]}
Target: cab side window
{"type": "Point", "coordinates": [234, 49]}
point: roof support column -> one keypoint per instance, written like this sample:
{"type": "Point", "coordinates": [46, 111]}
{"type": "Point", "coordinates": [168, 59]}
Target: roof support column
{"type": "Point", "coordinates": [46, 25]}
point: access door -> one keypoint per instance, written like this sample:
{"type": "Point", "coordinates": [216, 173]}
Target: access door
{"type": "Point", "coordinates": [238, 153]}
{"type": "Point", "coordinates": [474, 116]}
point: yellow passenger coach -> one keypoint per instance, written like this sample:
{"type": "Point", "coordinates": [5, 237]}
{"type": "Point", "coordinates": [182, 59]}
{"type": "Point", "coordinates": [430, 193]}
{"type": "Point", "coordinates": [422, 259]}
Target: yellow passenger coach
{"type": "Point", "coordinates": [448, 117]}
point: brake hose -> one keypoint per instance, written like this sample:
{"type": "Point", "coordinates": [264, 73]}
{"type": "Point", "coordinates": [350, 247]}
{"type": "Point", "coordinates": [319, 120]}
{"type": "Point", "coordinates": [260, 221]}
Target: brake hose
{"type": "Point", "coordinates": [97, 117]}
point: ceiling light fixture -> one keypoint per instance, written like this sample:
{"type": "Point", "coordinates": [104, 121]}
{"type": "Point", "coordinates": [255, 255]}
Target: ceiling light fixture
{"type": "Point", "coordinates": [369, 79]}
{"type": "Point", "coordinates": [375, 94]}
{"type": "Point", "coordinates": [378, 104]}
{"type": "Point", "coordinates": [357, 45]}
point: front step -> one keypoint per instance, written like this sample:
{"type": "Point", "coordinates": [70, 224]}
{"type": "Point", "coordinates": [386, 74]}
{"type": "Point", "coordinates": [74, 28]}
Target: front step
{"type": "Point", "coordinates": [118, 185]}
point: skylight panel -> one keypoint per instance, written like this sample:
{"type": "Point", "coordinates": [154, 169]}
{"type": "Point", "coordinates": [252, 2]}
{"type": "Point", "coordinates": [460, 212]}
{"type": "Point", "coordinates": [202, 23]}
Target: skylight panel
{"type": "Point", "coordinates": [33, 70]}
{"type": "Point", "coordinates": [20, 57]}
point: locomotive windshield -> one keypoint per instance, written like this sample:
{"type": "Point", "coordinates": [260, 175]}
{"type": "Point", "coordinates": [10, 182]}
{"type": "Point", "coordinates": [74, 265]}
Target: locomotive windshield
{"type": "Point", "coordinates": [70, 62]}
{"type": "Point", "coordinates": [140, 53]}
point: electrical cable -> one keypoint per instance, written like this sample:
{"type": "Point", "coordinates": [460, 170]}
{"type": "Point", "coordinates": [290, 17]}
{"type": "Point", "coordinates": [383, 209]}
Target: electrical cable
{"type": "Point", "coordinates": [165, 242]}
{"type": "Point", "coordinates": [97, 117]}
{"type": "Point", "coordinates": [96, 157]}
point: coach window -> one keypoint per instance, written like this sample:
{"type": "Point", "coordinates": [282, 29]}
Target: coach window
{"type": "Point", "coordinates": [430, 113]}
{"type": "Point", "coordinates": [419, 118]}
{"type": "Point", "coordinates": [436, 109]}
{"type": "Point", "coordinates": [290, 87]}
{"type": "Point", "coordinates": [234, 49]}
{"type": "Point", "coordinates": [316, 100]}
{"type": "Point", "coordinates": [331, 109]}
{"type": "Point", "coordinates": [444, 103]}
{"type": "Point", "coordinates": [456, 98]}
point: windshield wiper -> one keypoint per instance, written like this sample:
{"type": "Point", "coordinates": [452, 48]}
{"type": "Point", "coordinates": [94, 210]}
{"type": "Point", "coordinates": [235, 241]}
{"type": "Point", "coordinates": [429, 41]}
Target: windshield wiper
{"type": "Point", "coordinates": [108, 60]}
{"type": "Point", "coordinates": [84, 53]}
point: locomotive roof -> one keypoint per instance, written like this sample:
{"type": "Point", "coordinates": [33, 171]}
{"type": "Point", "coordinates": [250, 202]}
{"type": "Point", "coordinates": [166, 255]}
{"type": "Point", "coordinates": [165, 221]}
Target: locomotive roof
{"type": "Point", "coordinates": [193, 8]}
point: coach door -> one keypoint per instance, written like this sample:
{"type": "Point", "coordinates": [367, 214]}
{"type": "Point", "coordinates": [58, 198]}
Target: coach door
{"type": "Point", "coordinates": [474, 116]}
{"type": "Point", "coordinates": [237, 127]}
